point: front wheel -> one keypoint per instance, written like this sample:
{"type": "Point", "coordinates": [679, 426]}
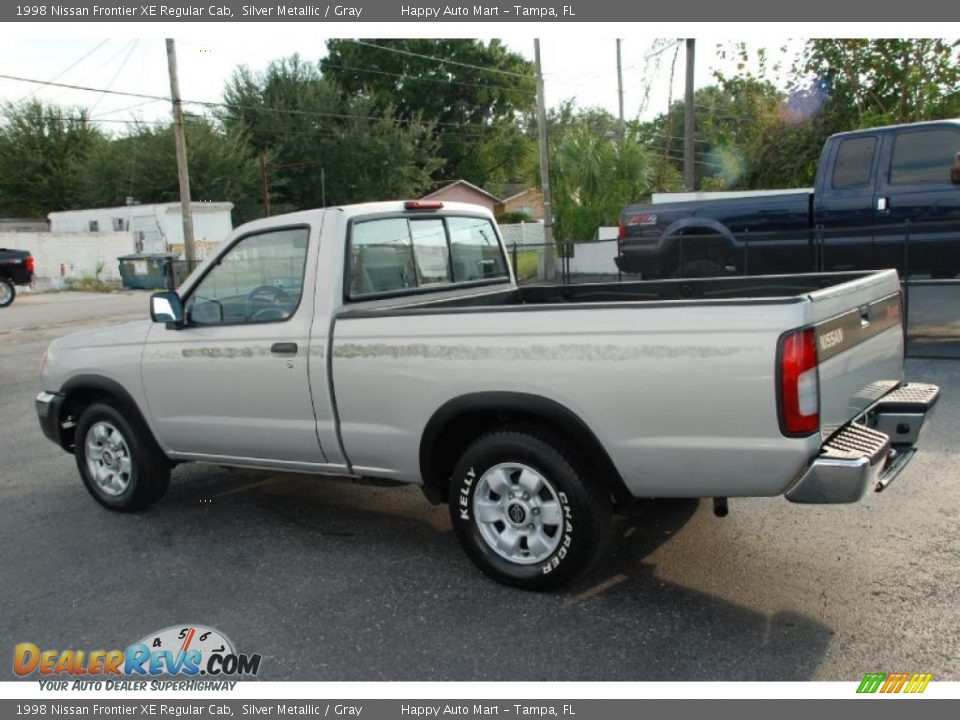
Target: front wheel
{"type": "Point", "coordinates": [7, 292]}
{"type": "Point", "coordinates": [524, 511]}
{"type": "Point", "coordinates": [119, 462]}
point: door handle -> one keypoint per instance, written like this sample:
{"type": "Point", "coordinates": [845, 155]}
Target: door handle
{"type": "Point", "coordinates": [883, 204]}
{"type": "Point", "coordinates": [284, 348]}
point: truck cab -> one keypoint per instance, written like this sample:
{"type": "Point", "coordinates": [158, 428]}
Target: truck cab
{"type": "Point", "coordinates": [883, 198]}
{"type": "Point", "coordinates": [887, 198]}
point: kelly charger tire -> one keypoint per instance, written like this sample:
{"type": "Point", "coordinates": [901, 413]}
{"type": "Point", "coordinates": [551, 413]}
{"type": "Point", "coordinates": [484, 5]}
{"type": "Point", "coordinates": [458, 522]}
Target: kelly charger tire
{"type": "Point", "coordinates": [579, 508]}
{"type": "Point", "coordinates": [118, 460]}
{"type": "Point", "coordinates": [7, 293]}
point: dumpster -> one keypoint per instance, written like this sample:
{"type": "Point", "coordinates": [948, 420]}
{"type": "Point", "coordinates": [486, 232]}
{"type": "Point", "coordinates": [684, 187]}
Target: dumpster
{"type": "Point", "coordinates": [144, 271]}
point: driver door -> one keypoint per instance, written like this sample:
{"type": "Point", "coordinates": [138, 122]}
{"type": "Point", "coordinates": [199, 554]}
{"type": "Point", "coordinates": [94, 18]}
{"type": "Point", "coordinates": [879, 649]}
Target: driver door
{"type": "Point", "coordinates": [232, 383]}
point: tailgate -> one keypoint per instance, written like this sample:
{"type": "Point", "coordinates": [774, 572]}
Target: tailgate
{"type": "Point", "coordinates": [859, 337]}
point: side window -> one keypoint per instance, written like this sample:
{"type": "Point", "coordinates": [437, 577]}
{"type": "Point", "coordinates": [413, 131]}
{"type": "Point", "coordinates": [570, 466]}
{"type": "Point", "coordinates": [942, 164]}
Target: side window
{"type": "Point", "coordinates": [924, 157]}
{"type": "Point", "coordinates": [854, 161]}
{"type": "Point", "coordinates": [475, 250]}
{"type": "Point", "coordinates": [260, 279]}
{"type": "Point", "coordinates": [381, 257]}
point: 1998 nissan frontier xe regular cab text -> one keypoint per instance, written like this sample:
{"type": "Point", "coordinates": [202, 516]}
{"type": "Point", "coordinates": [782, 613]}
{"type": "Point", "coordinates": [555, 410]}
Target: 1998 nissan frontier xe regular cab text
{"type": "Point", "coordinates": [390, 341]}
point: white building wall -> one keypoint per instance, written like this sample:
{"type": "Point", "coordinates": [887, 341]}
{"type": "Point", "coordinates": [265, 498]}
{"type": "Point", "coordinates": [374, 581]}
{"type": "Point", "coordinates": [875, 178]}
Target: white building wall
{"type": "Point", "coordinates": [522, 234]}
{"type": "Point", "coordinates": [661, 198]}
{"type": "Point", "coordinates": [76, 255]}
{"type": "Point", "coordinates": [593, 258]}
{"type": "Point", "coordinates": [156, 228]}
{"type": "Point", "coordinates": [211, 225]}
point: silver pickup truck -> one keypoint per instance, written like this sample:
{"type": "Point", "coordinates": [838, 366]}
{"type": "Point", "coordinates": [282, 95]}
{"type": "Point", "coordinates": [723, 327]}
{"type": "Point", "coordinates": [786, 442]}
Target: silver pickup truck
{"type": "Point", "coordinates": [389, 341]}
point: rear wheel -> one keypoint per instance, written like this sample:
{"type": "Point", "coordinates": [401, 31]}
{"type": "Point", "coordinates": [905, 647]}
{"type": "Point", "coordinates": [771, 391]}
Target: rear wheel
{"type": "Point", "coordinates": [119, 462]}
{"type": "Point", "coordinates": [7, 292]}
{"type": "Point", "coordinates": [524, 511]}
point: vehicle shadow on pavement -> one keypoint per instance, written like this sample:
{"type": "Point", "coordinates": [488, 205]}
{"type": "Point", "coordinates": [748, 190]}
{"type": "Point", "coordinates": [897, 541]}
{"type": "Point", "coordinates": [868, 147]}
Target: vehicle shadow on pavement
{"type": "Point", "coordinates": [696, 635]}
{"type": "Point", "coordinates": [331, 581]}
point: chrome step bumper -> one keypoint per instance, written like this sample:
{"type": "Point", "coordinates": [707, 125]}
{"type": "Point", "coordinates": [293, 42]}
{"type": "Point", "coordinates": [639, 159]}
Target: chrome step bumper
{"type": "Point", "coordinates": [870, 452]}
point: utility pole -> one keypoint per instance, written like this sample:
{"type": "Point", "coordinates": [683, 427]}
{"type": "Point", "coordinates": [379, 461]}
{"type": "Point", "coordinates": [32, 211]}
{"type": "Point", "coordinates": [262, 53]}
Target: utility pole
{"type": "Point", "coordinates": [623, 127]}
{"type": "Point", "coordinates": [550, 251]}
{"type": "Point", "coordinates": [689, 179]}
{"type": "Point", "coordinates": [264, 187]}
{"type": "Point", "coordinates": [181, 145]}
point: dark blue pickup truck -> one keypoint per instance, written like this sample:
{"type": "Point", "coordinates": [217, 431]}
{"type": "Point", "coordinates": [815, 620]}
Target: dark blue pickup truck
{"type": "Point", "coordinates": [884, 198]}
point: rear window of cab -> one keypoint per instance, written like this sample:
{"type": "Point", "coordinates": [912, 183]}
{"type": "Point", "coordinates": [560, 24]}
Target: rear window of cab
{"type": "Point", "coordinates": [398, 255]}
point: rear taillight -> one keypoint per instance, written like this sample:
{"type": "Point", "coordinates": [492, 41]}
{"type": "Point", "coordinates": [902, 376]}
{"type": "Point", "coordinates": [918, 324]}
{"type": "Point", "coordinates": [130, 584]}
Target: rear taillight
{"type": "Point", "coordinates": [29, 263]}
{"type": "Point", "coordinates": [621, 233]}
{"type": "Point", "coordinates": [799, 383]}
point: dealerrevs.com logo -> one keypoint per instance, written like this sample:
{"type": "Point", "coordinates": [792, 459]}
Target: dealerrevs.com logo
{"type": "Point", "coordinates": [185, 651]}
{"type": "Point", "coordinates": [894, 682]}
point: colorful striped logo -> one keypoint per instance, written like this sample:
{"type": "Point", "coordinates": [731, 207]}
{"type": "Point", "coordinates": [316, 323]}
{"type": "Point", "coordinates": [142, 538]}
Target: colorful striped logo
{"type": "Point", "coordinates": [895, 682]}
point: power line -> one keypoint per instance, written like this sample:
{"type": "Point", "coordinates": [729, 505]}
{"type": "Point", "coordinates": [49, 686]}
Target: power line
{"type": "Point", "coordinates": [67, 69]}
{"type": "Point", "coordinates": [117, 54]}
{"type": "Point", "coordinates": [130, 122]}
{"type": "Point", "coordinates": [657, 136]}
{"type": "Point", "coordinates": [441, 60]}
{"type": "Point", "coordinates": [115, 76]}
{"type": "Point", "coordinates": [234, 106]}
{"type": "Point", "coordinates": [669, 152]}
{"type": "Point", "coordinates": [671, 155]}
{"type": "Point", "coordinates": [126, 107]}
{"type": "Point", "coordinates": [306, 113]}
{"type": "Point", "coordinates": [659, 51]}
{"type": "Point", "coordinates": [426, 79]}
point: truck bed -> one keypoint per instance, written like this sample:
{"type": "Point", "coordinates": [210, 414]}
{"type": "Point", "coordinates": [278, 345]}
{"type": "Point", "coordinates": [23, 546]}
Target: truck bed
{"type": "Point", "coordinates": [782, 212]}
{"type": "Point", "coordinates": [768, 288]}
{"type": "Point", "coordinates": [677, 376]}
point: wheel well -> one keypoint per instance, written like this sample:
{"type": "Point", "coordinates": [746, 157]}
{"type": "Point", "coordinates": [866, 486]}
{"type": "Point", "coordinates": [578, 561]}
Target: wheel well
{"type": "Point", "coordinates": [82, 392]}
{"type": "Point", "coordinates": [702, 239]}
{"type": "Point", "coordinates": [460, 422]}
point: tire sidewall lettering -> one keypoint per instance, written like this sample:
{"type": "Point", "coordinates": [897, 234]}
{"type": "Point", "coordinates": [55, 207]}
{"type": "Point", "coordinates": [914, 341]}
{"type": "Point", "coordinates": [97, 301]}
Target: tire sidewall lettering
{"type": "Point", "coordinates": [553, 562]}
{"type": "Point", "coordinates": [466, 488]}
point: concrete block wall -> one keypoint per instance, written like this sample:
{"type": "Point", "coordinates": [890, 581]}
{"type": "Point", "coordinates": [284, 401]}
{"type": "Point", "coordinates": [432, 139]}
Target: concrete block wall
{"type": "Point", "coordinates": [71, 255]}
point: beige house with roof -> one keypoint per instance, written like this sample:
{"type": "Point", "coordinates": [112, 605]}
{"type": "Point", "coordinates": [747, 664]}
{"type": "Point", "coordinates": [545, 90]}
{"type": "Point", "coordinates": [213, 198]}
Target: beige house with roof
{"type": "Point", "coordinates": [528, 200]}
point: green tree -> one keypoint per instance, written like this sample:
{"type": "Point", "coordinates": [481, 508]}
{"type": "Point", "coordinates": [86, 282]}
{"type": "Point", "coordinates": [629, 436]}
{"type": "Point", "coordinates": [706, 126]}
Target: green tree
{"type": "Point", "coordinates": [322, 145]}
{"type": "Point", "coordinates": [142, 165]}
{"type": "Point", "coordinates": [745, 137]}
{"type": "Point", "coordinates": [42, 150]}
{"type": "Point", "coordinates": [476, 95]}
{"type": "Point", "coordinates": [883, 81]}
{"type": "Point", "coordinates": [753, 133]}
{"type": "Point", "coordinates": [592, 177]}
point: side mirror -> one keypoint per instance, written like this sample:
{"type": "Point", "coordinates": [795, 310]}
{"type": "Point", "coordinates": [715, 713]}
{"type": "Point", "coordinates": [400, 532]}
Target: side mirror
{"type": "Point", "coordinates": [166, 307]}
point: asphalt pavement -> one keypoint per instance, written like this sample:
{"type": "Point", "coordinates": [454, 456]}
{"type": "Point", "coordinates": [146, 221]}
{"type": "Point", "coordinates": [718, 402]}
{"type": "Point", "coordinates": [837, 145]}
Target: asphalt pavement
{"type": "Point", "coordinates": [331, 581]}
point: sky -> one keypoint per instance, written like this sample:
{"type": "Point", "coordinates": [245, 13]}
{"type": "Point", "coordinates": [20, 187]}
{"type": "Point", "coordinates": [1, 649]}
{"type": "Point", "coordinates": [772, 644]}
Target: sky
{"type": "Point", "coordinates": [585, 71]}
